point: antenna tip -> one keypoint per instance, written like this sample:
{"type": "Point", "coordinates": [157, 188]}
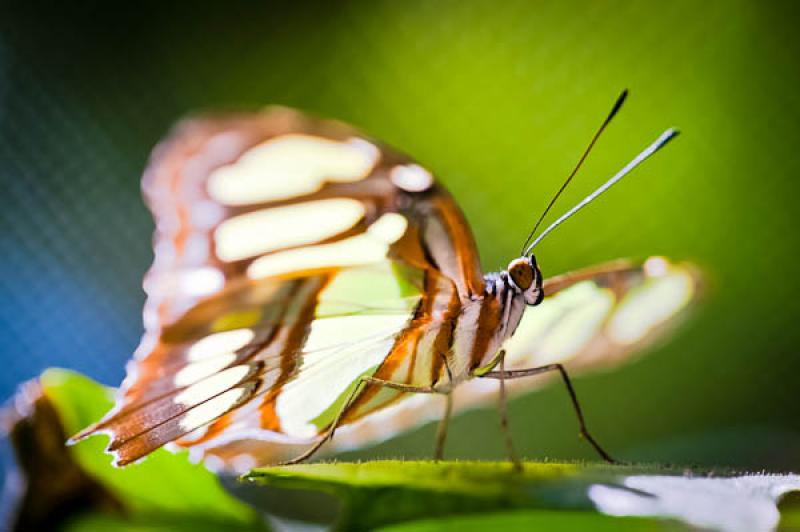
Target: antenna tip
{"type": "Point", "coordinates": [667, 136]}
{"type": "Point", "coordinates": [620, 100]}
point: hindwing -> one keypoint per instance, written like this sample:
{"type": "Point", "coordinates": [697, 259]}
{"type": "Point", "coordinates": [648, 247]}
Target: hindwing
{"type": "Point", "coordinates": [591, 319]}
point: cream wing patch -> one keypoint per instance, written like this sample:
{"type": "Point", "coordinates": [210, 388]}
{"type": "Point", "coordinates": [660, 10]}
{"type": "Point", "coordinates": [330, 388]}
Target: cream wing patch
{"type": "Point", "coordinates": [212, 409]}
{"type": "Point", "coordinates": [367, 248]}
{"type": "Point", "coordinates": [214, 385]}
{"type": "Point", "coordinates": [191, 282]}
{"type": "Point", "coordinates": [576, 326]}
{"type": "Point", "coordinates": [337, 352]}
{"type": "Point", "coordinates": [411, 177]}
{"type": "Point", "coordinates": [291, 166]}
{"type": "Point", "coordinates": [649, 305]}
{"type": "Point", "coordinates": [219, 344]}
{"type": "Point", "coordinates": [197, 371]}
{"type": "Point", "coordinates": [255, 233]}
{"type": "Point", "coordinates": [373, 289]}
{"type": "Point", "coordinates": [561, 326]}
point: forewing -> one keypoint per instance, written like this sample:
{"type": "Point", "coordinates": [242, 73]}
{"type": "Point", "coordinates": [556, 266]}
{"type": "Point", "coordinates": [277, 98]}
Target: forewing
{"type": "Point", "coordinates": [292, 255]}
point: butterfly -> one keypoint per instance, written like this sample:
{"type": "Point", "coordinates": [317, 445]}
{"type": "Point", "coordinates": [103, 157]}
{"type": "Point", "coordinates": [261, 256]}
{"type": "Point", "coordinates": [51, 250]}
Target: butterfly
{"type": "Point", "coordinates": [308, 280]}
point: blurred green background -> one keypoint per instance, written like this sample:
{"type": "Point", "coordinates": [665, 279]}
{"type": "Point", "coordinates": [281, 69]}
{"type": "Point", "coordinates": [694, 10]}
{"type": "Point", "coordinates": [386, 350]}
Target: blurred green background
{"type": "Point", "coordinates": [498, 99]}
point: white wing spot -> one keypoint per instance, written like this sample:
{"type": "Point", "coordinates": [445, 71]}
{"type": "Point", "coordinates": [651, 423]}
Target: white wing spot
{"type": "Point", "coordinates": [649, 305]}
{"type": "Point", "coordinates": [656, 266]}
{"type": "Point", "coordinates": [411, 177]}
{"type": "Point", "coordinates": [389, 227]}
{"type": "Point", "coordinates": [266, 230]}
{"type": "Point", "coordinates": [290, 166]}
{"type": "Point", "coordinates": [200, 370]}
{"type": "Point", "coordinates": [212, 409]}
{"type": "Point", "coordinates": [367, 248]}
{"type": "Point", "coordinates": [220, 343]}
{"type": "Point", "coordinates": [214, 385]}
{"type": "Point", "coordinates": [201, 281]}
{"type": "Point", "coordinates": [188, 282]}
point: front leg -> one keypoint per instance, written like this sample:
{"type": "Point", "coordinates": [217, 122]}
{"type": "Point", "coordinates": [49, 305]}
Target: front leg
{"type": "Point", "coordinates": [502, 375]}
{"type": "Point", "coordinates": [483, 370]}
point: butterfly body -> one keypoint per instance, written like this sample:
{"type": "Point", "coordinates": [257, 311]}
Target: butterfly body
{"type": "Point", "coordinates": [306, 277]}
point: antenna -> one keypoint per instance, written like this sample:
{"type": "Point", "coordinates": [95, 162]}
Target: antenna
{"type": "Point", "coordinates": [665, 137]}
{"type": "Point", "coordinates": [617, 105]}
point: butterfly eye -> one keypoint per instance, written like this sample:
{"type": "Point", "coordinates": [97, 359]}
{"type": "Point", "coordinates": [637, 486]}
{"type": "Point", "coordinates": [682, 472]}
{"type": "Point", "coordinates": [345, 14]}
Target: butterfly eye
{"type": "Point", "coordinates": [521, 273]}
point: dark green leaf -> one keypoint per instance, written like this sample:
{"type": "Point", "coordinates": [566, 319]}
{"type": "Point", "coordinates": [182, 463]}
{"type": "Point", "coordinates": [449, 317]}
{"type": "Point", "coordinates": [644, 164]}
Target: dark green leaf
{"type": "Point", "coordinates": [164, 488]}
{"type": "Point", "coordinates": [525, 521]}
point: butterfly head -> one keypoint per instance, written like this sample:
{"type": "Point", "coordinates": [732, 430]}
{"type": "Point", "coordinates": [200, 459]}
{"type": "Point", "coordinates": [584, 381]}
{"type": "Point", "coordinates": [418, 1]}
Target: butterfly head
{"type": "Point", "coordinates": [527, 277]}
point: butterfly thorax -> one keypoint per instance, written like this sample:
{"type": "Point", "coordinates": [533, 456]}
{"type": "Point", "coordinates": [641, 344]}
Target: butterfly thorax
{"type": "Point", "coordinates": [486, 322]}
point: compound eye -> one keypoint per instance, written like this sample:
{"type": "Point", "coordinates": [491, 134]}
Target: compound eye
{"type": "Point", "coordinates": [521, 273]}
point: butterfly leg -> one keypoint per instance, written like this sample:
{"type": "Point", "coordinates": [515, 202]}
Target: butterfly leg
{"type": "Point", "coordinates": [502, 375]}
{"type": "Point", "coordinates": [399, 385]}
{"type": "Point", "coordinates": [444, 423]}
{"type": "Point", "coordinates": [362, 383]}
{"type": "Point", "coordinates": [441, 430]}
{"type": "Point", "coordinates": [502, 406]}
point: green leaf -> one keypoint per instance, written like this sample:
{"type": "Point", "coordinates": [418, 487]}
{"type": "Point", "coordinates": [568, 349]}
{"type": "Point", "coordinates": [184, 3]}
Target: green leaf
{"type": "Point", "coordinates": [790, 511]}
{"type": "Point", "coordinates": [525, 521]}
{"type": "Point", "coordinates": [164, 488]}
{"type": "Point", "coordinates": [167, 492]}
{"type": "Point", "coordinates": [156, 523]}
{"type": "Point", "coordinates": [377, 494]}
